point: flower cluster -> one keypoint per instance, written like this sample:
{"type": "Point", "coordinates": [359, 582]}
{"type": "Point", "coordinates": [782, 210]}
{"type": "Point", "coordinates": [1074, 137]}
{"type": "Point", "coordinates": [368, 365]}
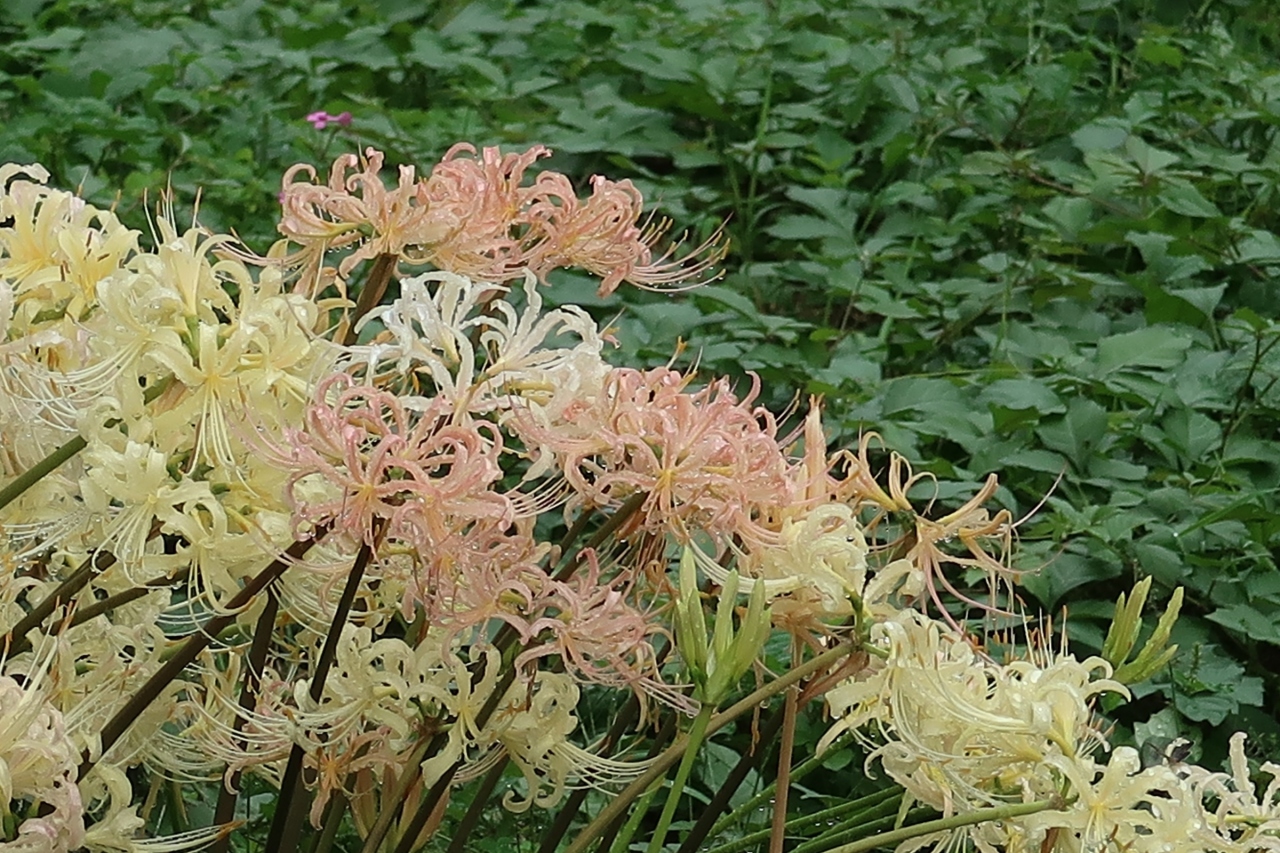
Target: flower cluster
{"type": "Point", "coordinates": [474, 216]}
{"type": "Point", "coordinates": [37, 767]}
{"type": "Point", "coordinates": [963, 733]}
{"type": "Point", "coordinates": [368, 551]}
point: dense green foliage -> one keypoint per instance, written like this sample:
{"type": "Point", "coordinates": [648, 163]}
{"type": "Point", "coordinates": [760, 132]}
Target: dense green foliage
{"type": "Point", "coordinates": [1040, 243]}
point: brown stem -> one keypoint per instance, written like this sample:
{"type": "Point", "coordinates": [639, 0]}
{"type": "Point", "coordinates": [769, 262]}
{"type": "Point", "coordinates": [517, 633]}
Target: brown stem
{"type": "Point", "coordinates": [564, 818]}
{"type": "Point", "coordinates": [778, 832]}
{"type": "Point", "coordinates": [391, 805]}
{"type": "Point", "coordinates": [502, 641]}
{"type": "Point", "coordinates": [425, 809]}
{"type": "Point", "coordinates": [750, 760]}
{"type": "Point", "coordinates": [506, 634]}
{"type": "Point", "coordinates": [608, 838]}
{"type": "Point", "coordinates": [479, 802]}
{"type": "Point", "coordinates": [333, 814]}
{"type": "Point", "coordinates": [375, 286]}
{"type": "Point", "coordinates": [227, 795]}
{"type": "Point", "coordinates": [16, 640]}
{"type": "Point", "coordinates": [190, 650]}
{"type": "Point", "coordinates": [106, 605]}
{"type": "Point", "coordinates": [286, 826]}
{"type": "Point", "coordinates": [672, 755]}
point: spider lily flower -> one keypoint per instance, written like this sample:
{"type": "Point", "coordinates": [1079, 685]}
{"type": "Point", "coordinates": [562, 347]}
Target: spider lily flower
{"type": "Point", "coordinates": [363, 456]}
{"type": "Point", "coordinates": [37, 765]}
{"type": "Point", "coordinates": [604, 236]}
{"type": "Point", "coordinates": [705, 459]}
{"type": "Point", "coordinates": [472, 216]}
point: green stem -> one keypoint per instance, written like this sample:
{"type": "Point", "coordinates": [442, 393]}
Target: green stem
{"type": "Point", "coordinates": [864, 828]}
{"type": "Point", "coordinates": [750, 760]}
{"type": "Point", "coordinates": [854, 821]}
{"type": "Point", "coordinates": [671, 755]}
{"type": "Point", "coordinates": [944, 824]}
{"type": "Point", "coordinates": [696, 735]}
{"type": "Point", "coordinates": [880, 804]}
{"type": "Point", "coordinates": [760, 799]}
{"type": "Point", "coordinates": [33, 475]}
{"type": "Point", "coordinates": [622, 843]}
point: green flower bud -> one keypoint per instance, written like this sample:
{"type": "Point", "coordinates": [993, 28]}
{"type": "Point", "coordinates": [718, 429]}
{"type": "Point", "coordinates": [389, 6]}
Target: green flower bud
{"type": "Point", "coordinates": [717, 665]}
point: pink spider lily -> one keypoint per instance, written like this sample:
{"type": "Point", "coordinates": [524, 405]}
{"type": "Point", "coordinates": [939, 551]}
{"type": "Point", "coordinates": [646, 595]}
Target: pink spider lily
{"type": "Point", "coordinates": [484, 198]}
{"type": "Point", "coordinates": [601, 635]}
{"type": "Point", "coordinates": [472, 216]}
{"type": "Point", "coordinates": [487, 571]}
{"type": "Point", "coordinates": [706, 459]}
{"type": "Point", "coordinates": [357, 209]}
{"type": "Point", "coordinates": [373, 460]}
{"type": "Point", "coordinates": [604, 236]}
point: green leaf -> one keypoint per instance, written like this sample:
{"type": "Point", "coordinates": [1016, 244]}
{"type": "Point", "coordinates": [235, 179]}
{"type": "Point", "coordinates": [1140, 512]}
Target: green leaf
{"type": "Point", "coordinates": [1071, 214]}
{"type": "Point", "coordinates": [899, 92]}
{"type": "Point", "coordinates": [1247, 622]}
{"type": "Point", "coordinates": [1160, 52]}
{"type": "Point", "coordinates": [1193, 434]}
{"type": "Point", "coordinates": [1182, 197]}
{"type": "Point", "coordinates": [1103, 135]}
{"type": "Point", "coordinates": [1077, 433]}
{"type": "Point", "coordinates": [1258, 247]}
{"type": "Point", "coordinates": [1066, 572]}
{"type": "Point", "coordinates": [1150, 160]}
{"type": "Point", "coordinates": [1154, 346]}
{"type": "Point", "coordinates": [1023, 394]}
{"type": "Point", "coordinates": [802, 227]}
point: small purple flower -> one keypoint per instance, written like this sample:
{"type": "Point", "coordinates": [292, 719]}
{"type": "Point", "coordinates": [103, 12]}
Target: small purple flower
{"type": "Point", "coordinates": [321, 119]}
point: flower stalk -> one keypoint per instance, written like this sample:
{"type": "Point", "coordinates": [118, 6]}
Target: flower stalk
{"type": "Point", "coordinates": [669, 757]}
{"type": "Point", "coordinates": [946, 824]}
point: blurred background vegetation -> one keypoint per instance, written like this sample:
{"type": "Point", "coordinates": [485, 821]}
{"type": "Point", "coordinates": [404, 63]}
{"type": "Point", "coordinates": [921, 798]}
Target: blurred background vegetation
{"type": "Point", "coordinates": [1039, 239]}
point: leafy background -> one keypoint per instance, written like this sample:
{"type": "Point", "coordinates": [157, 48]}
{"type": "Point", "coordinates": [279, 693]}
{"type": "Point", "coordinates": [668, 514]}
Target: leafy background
{"type": "Point", "coordinates": [1035, 239]}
